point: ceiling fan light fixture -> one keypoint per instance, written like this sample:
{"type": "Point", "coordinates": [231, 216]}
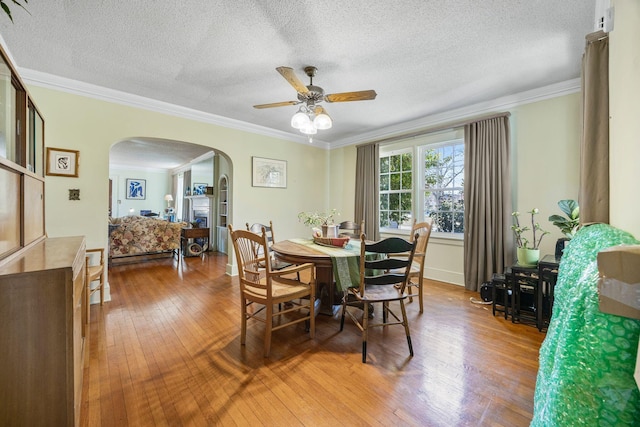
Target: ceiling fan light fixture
{"type": "Point", "coordinates": [311, 117]}
{"type": "Point", "coordinates": [309, 129]}
{"type": "Point", "coordinates": [322, 121]}
{"type": "Point", "coordinates": [299, 120]}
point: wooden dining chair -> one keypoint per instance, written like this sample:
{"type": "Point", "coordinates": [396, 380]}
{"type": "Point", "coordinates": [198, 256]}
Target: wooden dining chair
{"type": "Point", "coordinates": [94, 272]}
{"type": "Point", "coordinates": [261, 285]}
{"type": "Point", "coordinates": [416, 273]}
{"type": "Point", "coordinates": [276, 264]}
{"type": "Point", "coordinates": [378, 280]}
{"type": "Point", "coordinates": [351, 229]}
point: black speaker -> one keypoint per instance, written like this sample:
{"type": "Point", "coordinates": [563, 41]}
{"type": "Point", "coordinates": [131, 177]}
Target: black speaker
{"type": "Point", "coordinates": [485, 291]}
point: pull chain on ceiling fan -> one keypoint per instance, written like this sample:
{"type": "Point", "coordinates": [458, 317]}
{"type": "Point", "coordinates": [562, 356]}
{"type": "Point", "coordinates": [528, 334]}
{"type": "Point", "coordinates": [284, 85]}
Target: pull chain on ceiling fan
{"type": "Point", "coordinates": [312, 117]}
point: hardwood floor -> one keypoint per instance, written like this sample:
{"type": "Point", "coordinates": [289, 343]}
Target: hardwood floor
{"type": "Point", "coordinates": [166, 351]}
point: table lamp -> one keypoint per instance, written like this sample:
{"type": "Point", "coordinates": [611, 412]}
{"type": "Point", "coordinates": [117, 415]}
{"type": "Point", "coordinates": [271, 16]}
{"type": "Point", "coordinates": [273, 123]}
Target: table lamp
{"type": "Point", "coordinates": [169, 199]}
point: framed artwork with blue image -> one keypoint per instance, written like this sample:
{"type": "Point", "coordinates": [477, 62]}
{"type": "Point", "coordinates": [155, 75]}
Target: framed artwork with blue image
{"type": "Point", "coordinates": [199, 189]}
{"type": "Point", "coordinates": [136, 189]}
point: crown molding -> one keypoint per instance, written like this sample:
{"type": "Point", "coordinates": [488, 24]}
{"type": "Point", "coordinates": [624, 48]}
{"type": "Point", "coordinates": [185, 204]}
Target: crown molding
{"type": "Point", "coordinates": [499, 104]}
{"type": "Point", "coordinates": [50, 81]}
{"type": "Point", "coordinates": [187, 166]}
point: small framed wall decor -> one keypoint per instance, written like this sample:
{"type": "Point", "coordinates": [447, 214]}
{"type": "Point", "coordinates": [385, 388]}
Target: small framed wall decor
{"type": "Point", "coordinates": [62, 162]}
{"type": "Point", "coordinates": [136, 189]}
{"type": "Point", "coordinates": [269, 173]}
{"type": "Point", "coordinates": [199, 189]}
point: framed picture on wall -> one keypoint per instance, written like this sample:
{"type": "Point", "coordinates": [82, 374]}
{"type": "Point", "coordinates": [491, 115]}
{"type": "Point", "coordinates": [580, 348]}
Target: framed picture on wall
{"type": "Point", "coordinates": [269, 173]}
{"type": "Point", "coordinates": [61, 162]}
{"type": "Point", "coordinates": [136, 189]}
{"type": "Point", "coordinates": [199, 189]}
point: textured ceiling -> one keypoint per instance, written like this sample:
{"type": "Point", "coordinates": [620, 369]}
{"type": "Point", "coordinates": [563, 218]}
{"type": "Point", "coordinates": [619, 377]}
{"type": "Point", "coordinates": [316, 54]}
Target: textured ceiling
{"type": "Point", "coordinates": [154, 153]}
{"type": "Point", "coordinates": [422, 57]}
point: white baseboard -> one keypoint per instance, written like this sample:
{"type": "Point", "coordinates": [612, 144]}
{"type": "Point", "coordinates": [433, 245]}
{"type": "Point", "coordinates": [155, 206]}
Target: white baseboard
{"type": "Point", "coordinates": [232, 269]}
{"type": "Point", "coordinates": [453, 277]}
{"type": "Point", "coordinates": [95, 298]}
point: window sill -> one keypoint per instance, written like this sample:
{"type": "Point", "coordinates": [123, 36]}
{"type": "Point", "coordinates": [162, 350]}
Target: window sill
{"type": "Point", "coordinates": [442, 238]}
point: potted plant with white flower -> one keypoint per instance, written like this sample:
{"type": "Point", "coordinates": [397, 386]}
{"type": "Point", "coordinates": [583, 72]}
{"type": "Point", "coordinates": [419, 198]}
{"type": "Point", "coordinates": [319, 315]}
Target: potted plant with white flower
{"type": "Point", "coordinates": [322, 220]}
{"type": "Point", "coordinates": [528, 252]}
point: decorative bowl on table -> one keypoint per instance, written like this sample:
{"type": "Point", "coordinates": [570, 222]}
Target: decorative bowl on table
{"type": "Point", "coordinates": [339, 242]}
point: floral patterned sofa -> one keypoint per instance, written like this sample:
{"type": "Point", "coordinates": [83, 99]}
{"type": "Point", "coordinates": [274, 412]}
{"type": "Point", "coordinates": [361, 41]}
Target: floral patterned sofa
{"type": "Point", "coordinates": [139, 235]}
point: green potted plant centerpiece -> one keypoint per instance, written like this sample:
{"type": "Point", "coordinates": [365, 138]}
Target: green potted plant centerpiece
{"type": "Point", "coordinates": [528, 252]}
{"type": "Point", "coordinates": [321, 220]}
{"type": "Point", "coordinates": [568, 225]}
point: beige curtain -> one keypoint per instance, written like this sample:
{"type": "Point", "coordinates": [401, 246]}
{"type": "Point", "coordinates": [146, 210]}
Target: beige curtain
{"type": "Point", "coordinates": [186, 215]}
{"type": "Point", "coordinates": [367, 179]}
{"type": "Point", "coordinates": [488, 242]}
{"type": "Point", "coordinates": [594, 150]}
{"type": "Point", "coordinates": [174, 188]}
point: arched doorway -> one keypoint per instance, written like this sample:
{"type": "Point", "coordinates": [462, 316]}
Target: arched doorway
{"type": "Point", "coordinates": [168, 167]}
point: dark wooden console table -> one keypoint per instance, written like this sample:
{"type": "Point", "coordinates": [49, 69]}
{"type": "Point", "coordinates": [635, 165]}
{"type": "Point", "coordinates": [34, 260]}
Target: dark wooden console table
{"type": "Point", "coordinates": [187, 237]}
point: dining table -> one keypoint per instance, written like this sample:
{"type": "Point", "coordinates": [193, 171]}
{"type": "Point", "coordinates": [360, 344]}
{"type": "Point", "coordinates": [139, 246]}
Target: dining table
{"type": "Point", "coordinates": [337, 268]}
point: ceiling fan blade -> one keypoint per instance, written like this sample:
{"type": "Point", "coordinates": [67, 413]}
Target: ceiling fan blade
{"type": "Point", "coordinates": [363, 95]}
{"type": "Point", "coordinates": [276, 104]}
{"type": "Point", "coordinates": [320, 110]}
{"type": "Point", "coordinates": [293, 80]}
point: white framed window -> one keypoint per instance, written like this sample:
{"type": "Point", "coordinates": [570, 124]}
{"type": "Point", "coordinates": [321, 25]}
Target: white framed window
{"type": "Point", "coordinates": [423, 181]}
{"type": "Point", "coordinates": [396, 190]}
{"type": "Point", "coordinates": [442, 195]}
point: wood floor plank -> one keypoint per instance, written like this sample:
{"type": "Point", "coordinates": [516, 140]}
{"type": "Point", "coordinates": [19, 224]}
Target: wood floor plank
{"type": "Point", "coordinates": [166, 351]}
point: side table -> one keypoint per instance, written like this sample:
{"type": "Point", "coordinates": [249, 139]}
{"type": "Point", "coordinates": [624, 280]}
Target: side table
{"type": "Point", "coordinates": [548, 275]}
{"type": "Point", "coordinates": [537, 283]}
{"type": "Point", "coordinates": [190, 237]}
{"type": "Point", "coordinates": [523, 280]}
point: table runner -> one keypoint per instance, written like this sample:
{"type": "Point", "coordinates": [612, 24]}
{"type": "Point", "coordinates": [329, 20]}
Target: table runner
{"type": "Point", "coordinates": [345, 261]}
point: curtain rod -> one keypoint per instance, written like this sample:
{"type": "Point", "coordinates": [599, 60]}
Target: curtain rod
{"type": "Point", "coordinates": [438, 128]}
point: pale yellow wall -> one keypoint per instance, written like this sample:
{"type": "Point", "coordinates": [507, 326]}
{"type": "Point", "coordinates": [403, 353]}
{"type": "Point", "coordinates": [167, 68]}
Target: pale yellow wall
{"type": "Point", "coordinates": [624, 92]}
{"type": "Point", "coordinates": [545, 169]}
{"type": "Point", "coordinates": [546, 153]}
{"type": "Point", "coordinates": [342, 182]}
{"type": "Point", "coordinates": [93, 126]}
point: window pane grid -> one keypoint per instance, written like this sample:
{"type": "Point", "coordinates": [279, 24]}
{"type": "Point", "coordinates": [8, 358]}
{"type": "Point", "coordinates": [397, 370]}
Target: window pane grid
{"type": "Point", "coordinates": [444, 187]}
{"type": "Point", "coordinates": [441, 175]}
{"type": "Point", "coordinates": [396, 187]}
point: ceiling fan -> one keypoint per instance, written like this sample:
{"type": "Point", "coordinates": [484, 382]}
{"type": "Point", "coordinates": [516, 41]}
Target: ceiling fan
{"type": "Point", "coordinates": [311, 116]}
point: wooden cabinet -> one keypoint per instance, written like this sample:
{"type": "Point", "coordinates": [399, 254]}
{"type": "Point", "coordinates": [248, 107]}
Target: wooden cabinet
{"type": "Point", "coordinates": [42, 334]}
{"type": "Point", "coordinates": [10, 219]}
{"type": "Point", "coordinates": [34, 205]}
{"type": "Point", "coordinates": [21, 165]}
